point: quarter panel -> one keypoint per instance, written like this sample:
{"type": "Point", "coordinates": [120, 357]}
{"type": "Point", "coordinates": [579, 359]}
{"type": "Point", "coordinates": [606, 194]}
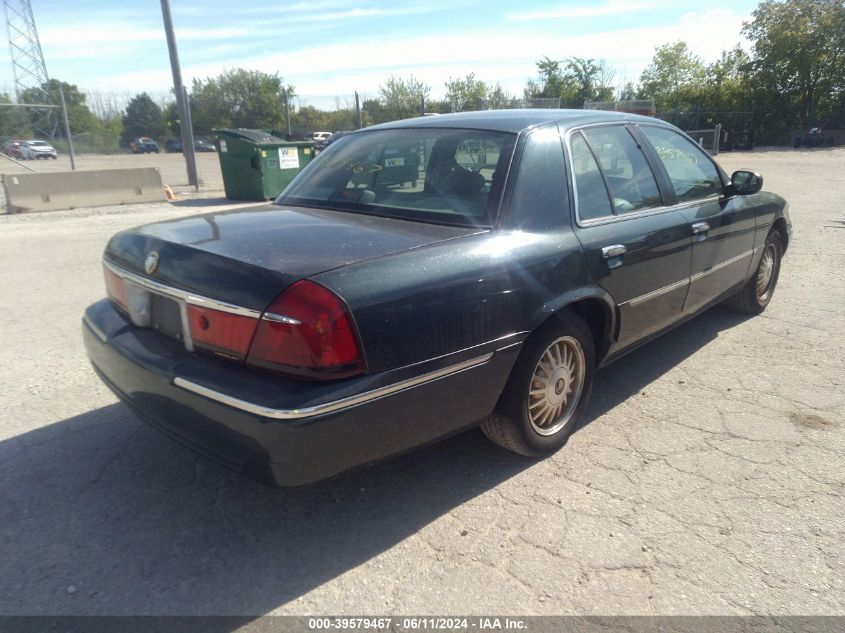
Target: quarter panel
{"type": "Point", "coordinates": [445, 297]}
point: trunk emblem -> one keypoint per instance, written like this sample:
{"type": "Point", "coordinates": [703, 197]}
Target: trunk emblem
{"type": "Point", "coordinates": [151, 263]}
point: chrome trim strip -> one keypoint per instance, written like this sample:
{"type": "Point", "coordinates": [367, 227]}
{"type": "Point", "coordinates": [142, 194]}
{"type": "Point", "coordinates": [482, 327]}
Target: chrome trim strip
{"type": "Point", "coordinates": [656, 293]}
{"type": "Point", "coordinates": [720, 265]}
{"type": "Point", "coordinates": [182, 295]}
{"type": "Point", "coordinates": [329, 407]}
{"type": "Point", "coordinates": [688, 280]}
{"type": "Point", "coordinates": [280, 318]}
{"type": "Point", "coordinates": [97, 331]}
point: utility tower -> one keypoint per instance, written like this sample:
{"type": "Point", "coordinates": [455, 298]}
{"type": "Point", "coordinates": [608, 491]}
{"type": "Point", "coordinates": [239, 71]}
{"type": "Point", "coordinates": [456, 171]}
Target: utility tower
{"type": "Point", "coordinates": [28, 67]}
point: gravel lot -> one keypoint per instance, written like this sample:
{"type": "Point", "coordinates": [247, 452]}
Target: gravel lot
{"type": "Point", "coordinates": [707, 480]}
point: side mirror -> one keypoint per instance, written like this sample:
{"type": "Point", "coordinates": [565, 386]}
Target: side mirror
{"type": "Point", "coordinates": [744, 183]}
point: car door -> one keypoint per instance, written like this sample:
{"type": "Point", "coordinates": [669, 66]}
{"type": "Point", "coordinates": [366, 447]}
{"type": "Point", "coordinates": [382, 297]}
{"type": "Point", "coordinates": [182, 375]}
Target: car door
{"type": "Point", "coordinates": [722, 228]}
{"type": "Point", "coordinates": [636, 247]}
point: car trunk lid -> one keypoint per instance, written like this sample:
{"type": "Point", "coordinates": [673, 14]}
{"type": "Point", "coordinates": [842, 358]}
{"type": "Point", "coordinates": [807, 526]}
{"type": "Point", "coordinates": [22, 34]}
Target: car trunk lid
{"type": "Point", "coordinates": [247, 257]}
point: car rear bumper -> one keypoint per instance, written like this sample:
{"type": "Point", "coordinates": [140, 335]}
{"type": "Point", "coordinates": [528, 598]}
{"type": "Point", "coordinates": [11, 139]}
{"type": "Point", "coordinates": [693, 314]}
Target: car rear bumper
{"type": "Point", "coordinates": [289, 432]}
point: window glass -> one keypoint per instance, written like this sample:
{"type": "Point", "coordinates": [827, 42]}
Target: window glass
{"type": "Point", "coordinates": [690, 169]}
{"type": "Point", "coordinates": [629, 177]}
{"type": "Point", "coordinates": [540, 200]}
{"type": "Point", "coordinates": [439, 175]}
{"type": "Point", "coordinates": [593, 201]}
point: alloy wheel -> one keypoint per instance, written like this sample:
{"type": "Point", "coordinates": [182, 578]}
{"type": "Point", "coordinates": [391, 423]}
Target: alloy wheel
{"type": "Point", "coordinates": [556, 386]}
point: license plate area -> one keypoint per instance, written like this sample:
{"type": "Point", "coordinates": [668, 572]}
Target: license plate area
{"type": "Point", "coordinates": [166, 316]}
{"type": "Point", "coordinates": [156, 311]}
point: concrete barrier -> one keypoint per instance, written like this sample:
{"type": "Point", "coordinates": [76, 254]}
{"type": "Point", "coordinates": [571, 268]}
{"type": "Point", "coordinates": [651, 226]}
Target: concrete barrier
{"type": "Point", "coordinates": [73, 189]}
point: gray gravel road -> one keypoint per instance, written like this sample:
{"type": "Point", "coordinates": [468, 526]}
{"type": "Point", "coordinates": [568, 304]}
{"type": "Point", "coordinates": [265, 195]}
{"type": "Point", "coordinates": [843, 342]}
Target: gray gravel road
{"type": "Point", "coordinates": [708, 478]}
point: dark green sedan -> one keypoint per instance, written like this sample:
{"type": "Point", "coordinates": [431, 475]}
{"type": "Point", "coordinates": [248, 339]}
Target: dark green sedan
{"type": "Point", "coordinates": [422, 277]}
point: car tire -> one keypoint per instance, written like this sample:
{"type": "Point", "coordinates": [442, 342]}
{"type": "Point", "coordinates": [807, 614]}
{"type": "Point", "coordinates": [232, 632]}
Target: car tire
{"type": "Point", "coordinates": [537, 412]}
{"type": "Point", "coordinates": [756, 294]}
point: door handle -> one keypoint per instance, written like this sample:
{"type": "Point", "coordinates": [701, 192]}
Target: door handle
{"type": "Point", "coordinates": [700, 227]}
{"type": "Point", "coordinates": [616, 250]}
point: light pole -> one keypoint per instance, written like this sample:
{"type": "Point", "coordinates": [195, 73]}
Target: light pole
{"type": "Point", "coordinates": [187, 133]}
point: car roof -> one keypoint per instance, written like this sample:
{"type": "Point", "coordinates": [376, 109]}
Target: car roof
{"type": "Point", "coordinates": [516, 120]}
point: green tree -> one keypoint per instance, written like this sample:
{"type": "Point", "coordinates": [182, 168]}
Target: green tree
{"type": "Point", "coordinates": [143, 117]}
{"type": "Point", "coordinates": [238, 98]}
{"type": "Point", "coordinates": [628, 92]}
{"type": "Point", "coordinates": [469, 93]}
{"type": "Point", "coordinates": [673, 77]}
{"type": "Point", "coordinates": [13, 121]}
{"type": "Point", "coordinates": [171, 119]}
{"type": "Point", "coordinates": [551, 83]}
{"type": "Point", "coordinates": [497, 98]}
{"type": "Point", "coordinates": [79, 115]}
{"type": "Point", "coordinates": [374, 110]}
{"type": "Point", "coordinates": [586, 80]}
{"type": "Point", "coordinates": [402, 98]}
{"type": "Point", "coordinates": [799, 55]}
{"type": "Point", "coordinates": [466, 93]}
{"type": "Point", "coordinates": [727, 82]}
{"type": "Point", "coordinates": [573, 80]}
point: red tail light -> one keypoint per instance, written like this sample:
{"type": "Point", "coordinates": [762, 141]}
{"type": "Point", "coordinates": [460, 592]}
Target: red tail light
{"type": "Point", "coordinates": [115, 288]}
{"type": "Point", "coordinates": [221, 332]}
{"type": "Point", "coordinates": [307, 330]}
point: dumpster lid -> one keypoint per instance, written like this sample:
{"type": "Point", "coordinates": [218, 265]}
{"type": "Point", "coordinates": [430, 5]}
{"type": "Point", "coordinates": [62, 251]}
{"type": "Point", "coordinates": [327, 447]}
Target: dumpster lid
{"type": "Point", "coordinates": [259, 137]}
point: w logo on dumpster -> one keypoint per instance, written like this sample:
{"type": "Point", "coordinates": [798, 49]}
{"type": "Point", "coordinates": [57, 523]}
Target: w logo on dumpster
{"type": "Point", "coordinates": [288, 158]}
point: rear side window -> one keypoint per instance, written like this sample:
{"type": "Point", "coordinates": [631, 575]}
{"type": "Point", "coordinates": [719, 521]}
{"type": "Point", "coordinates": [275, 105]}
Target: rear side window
{"type": "Point", "coordinates": [690, 169]}
{"type": "Point", "coordinates": [540, 200]}
{"type": "Point", "coordinates": [593, 201]}
{"type": "Point", "coordinates": [628, 175]}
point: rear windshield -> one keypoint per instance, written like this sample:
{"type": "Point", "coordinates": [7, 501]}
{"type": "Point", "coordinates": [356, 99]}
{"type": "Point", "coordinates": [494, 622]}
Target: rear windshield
{"type": "Point", "coordinates": [449, 176]}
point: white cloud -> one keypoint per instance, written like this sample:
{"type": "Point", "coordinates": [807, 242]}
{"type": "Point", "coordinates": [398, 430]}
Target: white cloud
{"type": "Point", "coordinates": [502, 55]}
{"type": "Point", "coordinates": [362, 13]}
{"type": "Point", "coordinates": [62, 41]}
{"type": "Point", "coordinates": [611, 7]}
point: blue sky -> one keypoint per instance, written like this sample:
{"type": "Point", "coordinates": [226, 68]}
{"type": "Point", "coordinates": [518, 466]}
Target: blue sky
{"type": "Point", "coordinates": [333, 47]}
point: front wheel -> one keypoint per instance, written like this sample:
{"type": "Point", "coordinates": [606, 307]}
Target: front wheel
{"type": "Point", "coordinates": [756, 294]}
{"type": "Point", "coordinates": [548, 389]}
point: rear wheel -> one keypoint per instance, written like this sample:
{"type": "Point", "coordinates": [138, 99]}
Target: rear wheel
{"type": "Point", "coordinates": [547, 391]}
{"type": "Point", "coordinates": [756, 294]}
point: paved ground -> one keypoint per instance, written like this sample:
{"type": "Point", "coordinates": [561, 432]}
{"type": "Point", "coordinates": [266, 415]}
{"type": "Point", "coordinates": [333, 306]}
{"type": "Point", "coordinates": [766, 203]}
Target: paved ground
{"type": "Point", "coordinates": [709, 478]}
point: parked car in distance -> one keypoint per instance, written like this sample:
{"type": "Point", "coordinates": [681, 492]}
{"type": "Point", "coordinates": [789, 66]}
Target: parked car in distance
{"type": "Point", "coordinates": [12, 148]}
{"type": "Point", "coordinates": [318, 136]}
{"type": "Point", "coordinates": [144, 145]}
{"type": "Point", "coordinates": [33, 150]}
{"type": "Point", "coordinates": [200, 145]}
{"type": "Point", "coordinates": [364, 313]}
{"type": "Point", "coordinates": [814, 137]}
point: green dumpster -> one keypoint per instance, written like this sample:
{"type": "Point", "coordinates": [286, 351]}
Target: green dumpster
{"type": "Point", "coordinates": [257, 165]}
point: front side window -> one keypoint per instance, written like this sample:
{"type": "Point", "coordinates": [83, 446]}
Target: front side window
{"type": "Point", "coordinates": [438, 175]}
{"type": "Point", "coordinates": [690, 169]}
{"type": "Point", "coordinates": [628, 175]}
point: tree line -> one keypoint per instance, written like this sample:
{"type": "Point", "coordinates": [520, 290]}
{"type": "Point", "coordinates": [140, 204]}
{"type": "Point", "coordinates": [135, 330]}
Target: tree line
{"type": "Point", "coordinates": [790, 76]}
